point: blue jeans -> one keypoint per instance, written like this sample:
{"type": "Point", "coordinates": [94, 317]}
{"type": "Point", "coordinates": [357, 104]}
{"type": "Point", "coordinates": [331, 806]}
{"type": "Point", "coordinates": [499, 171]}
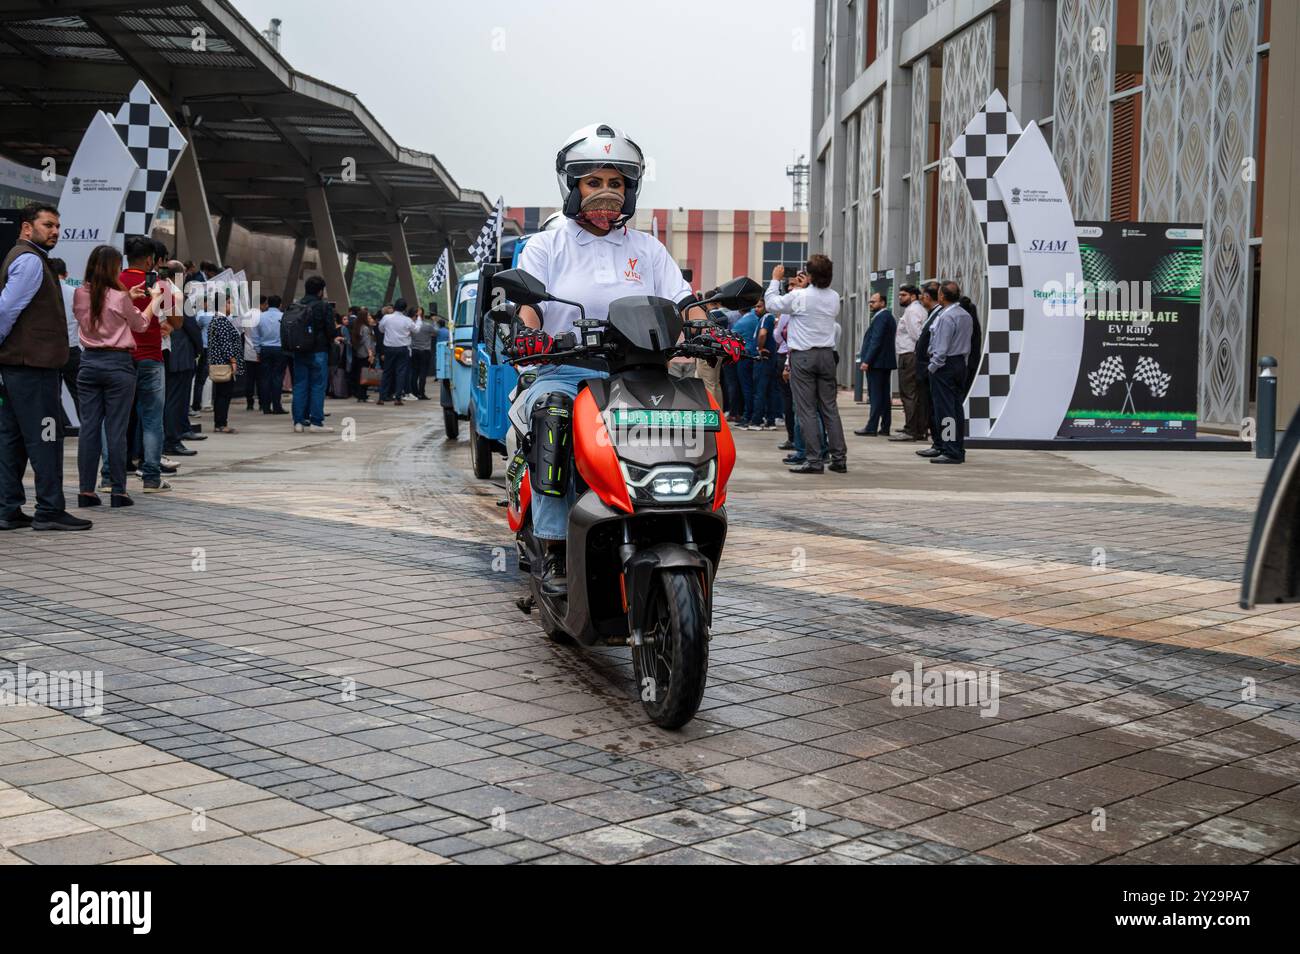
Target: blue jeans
{"type": "Point", "coordinates": [150, 398]}
{"type": "Point", "coordinates": [309, 371]}
{"type": "Point", "coordinates": [762, 409]}
{"type": "Point", "coordinates": [799, 448]}
{"type": "Point", "coordinates": [551, 514]}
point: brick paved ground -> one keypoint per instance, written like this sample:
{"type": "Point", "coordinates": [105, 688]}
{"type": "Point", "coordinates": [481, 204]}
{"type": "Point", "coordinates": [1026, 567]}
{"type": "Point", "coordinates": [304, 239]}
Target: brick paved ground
{"type": "Point", "coordinates": [311, 653]}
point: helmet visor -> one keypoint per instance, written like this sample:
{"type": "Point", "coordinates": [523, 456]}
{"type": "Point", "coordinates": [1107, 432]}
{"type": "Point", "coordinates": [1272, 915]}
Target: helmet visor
{"type": "Point", "coordinates": [578, 169]}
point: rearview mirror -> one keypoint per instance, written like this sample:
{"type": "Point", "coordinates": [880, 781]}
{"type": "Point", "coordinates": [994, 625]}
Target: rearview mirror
{"type": "Point", "coordinates": [520, 287]}
{"type": "Point", "coordinates": [740, 293]}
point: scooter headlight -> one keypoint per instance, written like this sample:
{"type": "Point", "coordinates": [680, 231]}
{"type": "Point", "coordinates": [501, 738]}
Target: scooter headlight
{"type": "Point", "coordinates": [669, 483]}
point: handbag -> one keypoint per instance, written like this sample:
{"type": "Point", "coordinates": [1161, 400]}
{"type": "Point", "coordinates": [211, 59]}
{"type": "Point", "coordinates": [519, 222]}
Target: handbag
{"type": "Point", "coordinates": [221, 373]}
{"type": "Point", "coordinates": [370, 377]}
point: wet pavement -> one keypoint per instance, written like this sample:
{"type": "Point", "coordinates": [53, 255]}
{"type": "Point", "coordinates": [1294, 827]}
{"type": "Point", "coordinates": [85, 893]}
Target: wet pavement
{"type": "Point", "coordinates": [310, 652]}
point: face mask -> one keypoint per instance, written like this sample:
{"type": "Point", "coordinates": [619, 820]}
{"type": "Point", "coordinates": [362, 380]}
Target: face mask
{"type": "Point", "coordinates": [610, 208]}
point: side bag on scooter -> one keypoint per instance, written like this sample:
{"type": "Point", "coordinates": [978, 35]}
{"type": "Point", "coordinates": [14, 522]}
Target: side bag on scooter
{"type": "Point", "coordinates": [549, 448]}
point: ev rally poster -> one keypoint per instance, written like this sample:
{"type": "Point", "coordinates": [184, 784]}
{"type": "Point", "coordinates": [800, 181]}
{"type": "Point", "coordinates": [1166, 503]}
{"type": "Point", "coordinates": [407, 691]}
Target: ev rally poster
{"type": "Point", "coordinates": [1141, 296]}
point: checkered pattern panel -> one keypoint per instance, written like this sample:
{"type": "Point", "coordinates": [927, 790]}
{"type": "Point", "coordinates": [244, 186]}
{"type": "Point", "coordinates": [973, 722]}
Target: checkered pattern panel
{"type": "Point", "coordinates": [484, 248]}
{"type": "Point", "coordinates": [978, 153]}
{"type": "Point", "coordinates": [156, 145]}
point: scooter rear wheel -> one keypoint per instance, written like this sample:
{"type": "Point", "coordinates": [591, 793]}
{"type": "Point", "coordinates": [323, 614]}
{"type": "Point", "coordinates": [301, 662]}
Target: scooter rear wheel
{"type": "Point", "coordinates": [672, 665]}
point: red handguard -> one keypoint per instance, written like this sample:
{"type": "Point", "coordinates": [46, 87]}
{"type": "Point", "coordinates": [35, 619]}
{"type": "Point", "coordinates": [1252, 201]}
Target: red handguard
{"type": "Point", "coordinates": [731, 346]}
{"type": "Point", "coordinates": [532, 343]}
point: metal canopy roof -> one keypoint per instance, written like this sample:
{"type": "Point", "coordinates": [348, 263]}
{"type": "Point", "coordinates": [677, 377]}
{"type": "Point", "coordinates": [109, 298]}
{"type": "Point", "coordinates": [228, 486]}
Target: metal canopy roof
{"type": "Point", "coordinates": [262, 130]}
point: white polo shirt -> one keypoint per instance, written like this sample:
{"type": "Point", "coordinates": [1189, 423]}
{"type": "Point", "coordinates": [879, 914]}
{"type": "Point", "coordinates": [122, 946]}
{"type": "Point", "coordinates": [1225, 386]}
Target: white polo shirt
{"type": "Point", "coordinates": [397, 330]}
{"type": "Point", "coordinates": [598, 269]}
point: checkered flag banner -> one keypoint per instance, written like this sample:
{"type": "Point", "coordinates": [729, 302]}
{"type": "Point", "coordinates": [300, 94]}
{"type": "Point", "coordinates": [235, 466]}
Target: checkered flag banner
{"type": "Point", "coordinates": [156, 145]}
{"type": "Point", "coordinates": [485, 246]}
{"type": "Point", "coordinates": [1107, 373]}
{"type": "Point", "coordinates": [1149, 373]}
{"type": "Point", "coordinates": [439, 272]}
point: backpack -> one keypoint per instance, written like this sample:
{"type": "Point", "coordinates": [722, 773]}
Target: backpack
{"type": "Point", "coordinates": [295, 334]}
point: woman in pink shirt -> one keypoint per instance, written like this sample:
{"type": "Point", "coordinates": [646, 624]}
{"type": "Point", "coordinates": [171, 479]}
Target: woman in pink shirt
{"type": "Point", "coordinates": [107, 321]}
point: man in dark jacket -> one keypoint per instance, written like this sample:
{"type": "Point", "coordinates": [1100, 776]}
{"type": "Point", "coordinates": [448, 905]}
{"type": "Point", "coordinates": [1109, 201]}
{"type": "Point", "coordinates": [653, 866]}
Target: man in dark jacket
{"type": "Point", "coordinates": [930, 302]}
{"type": "Point", "coordinates": [181, 361]}
{"type": "Point", "coordinates": [878, 361]}
{"type": "Point", "coordinates": [311, 367]}
{"type": "Point", "coordinates": [33, 350]}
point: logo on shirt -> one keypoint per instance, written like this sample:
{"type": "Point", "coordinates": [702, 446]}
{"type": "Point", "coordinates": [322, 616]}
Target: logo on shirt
{"type": "Point", "coordinates": [631, 274]}
{"type": "Point", "coordinates": [607, 147]}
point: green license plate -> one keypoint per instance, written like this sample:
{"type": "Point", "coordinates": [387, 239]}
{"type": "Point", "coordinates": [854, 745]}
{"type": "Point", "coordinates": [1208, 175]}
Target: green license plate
{"type": "Point", "coordinates": [649, 417]}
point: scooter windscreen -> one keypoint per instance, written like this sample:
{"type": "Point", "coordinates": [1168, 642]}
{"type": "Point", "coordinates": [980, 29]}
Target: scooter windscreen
{"type": "Point", "coordinates": [645, 323]}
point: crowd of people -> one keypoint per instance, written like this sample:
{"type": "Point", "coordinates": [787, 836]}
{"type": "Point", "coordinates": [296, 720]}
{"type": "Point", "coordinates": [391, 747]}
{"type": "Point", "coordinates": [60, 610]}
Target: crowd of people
{"type": "Point", "coordinates": [147, 344]}
{"type": "Point", "coordinates": [787, 373]}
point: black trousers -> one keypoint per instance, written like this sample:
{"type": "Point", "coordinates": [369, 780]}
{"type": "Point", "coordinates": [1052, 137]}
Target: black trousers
{"type": "Point", "coordinates": [176, 417]}
{"type": "Point", "coordinates": [31, 430]}
{"type": "Point", "coordinates": [252, 382]}
{"type": "Point", "coordinates": [200, 379]}
{"type": "Point", "coordinates": [394, 379]}
{"type": "Point", "coordinates": [947, 389]}
{"type": "Point", "coordinates": [106, 382]}
{"type": "Point", "coordinates": [420, 361]}
{"type": "Point", "coordinates": [882, 406]}
{"type": "Point", "coordinates": [787, 396]}
{"type": "Point", "coordinates": [273, 362]}
{"type": "Point", "coordinates": [221, 394]}
{"type": "Point", "coordinates": [70, 379]}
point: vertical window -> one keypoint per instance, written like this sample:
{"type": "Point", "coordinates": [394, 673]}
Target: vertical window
{"type": "Point", "coordinates": [1126, 111]}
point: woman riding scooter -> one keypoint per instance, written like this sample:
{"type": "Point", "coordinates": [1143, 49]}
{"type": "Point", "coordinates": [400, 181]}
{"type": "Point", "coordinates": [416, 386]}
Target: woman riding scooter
{"type": "Point", "coordinates": [595, 259]}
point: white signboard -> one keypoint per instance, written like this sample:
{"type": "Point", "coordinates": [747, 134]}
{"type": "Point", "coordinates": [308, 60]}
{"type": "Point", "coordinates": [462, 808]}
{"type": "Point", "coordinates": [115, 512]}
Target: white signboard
{"type": "Point", "coordinates": [93, 193]}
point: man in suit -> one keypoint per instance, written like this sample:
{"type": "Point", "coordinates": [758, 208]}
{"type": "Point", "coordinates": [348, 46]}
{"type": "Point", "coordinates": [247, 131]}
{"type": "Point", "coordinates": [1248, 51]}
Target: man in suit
{"type": "Point", "coordinates": [916, 401]}
{"type": "Point", "coordinates": [949, 355]}
{"type": "Point", "coordinates": [929, 299]}
{"type": "Point", "coordinates": [877, 360]}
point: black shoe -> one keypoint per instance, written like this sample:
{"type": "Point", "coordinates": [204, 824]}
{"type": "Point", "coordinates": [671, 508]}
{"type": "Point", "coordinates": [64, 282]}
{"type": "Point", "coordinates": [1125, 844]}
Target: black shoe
{"type": "Point", "coordinates": [381, 403]}
{"type": "Point", "coordinates": [121, 500]}
{"type": "Point", "coordinates": [61, 521]}
{"type": "Point", "coordinates": [929, 452]}
{"type": "Point", "coordinates": [945, 459]}
{"type": "Point", "coordinates": [554, 582]}
{"type": "Point", "coordinates": [279, 410]}
{"type": "Point", "coordinates": [15, 521]}
{"type": "Point", "coordinates": [793, 459]}
{"type": "Point", "coordinates": [179, 450]}
{"type": "Point", "coordinates": [901, 438]}
{"type": "Point", "coordinates": [785, 445]}
{"type": "Point", "coordinates": [88, 500]}
{"type": "Point", "coordinates": [839, 467]}
{"type": "Point", "coordinates": [195, 436]}
{"type": "Point", "coordinates": [863, 432]}
{"type": "Point", "coordinates": [167, 468]}
{"type": "Point", "coordinates": [806, 468]}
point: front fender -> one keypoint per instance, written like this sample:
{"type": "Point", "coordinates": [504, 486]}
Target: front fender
{"type": "Point", "coordinates": [639, 576]}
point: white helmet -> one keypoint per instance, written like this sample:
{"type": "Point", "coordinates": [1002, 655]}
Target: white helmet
{"type": "Point", "coordinates": [599, 147]}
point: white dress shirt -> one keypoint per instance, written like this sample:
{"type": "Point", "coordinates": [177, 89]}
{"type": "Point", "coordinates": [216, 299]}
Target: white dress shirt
{"type": "Point", "coordinates": [909, 328]}
{"type": "Point", "coordinates": [397, 330]}
{"type": "Point", "coordinates": [598, 269]}
{"type": "Point", "coordinates": [813, 311]}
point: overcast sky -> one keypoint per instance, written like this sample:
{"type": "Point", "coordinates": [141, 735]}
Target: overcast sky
{"type": "Point", "coordinates": [716, 92]}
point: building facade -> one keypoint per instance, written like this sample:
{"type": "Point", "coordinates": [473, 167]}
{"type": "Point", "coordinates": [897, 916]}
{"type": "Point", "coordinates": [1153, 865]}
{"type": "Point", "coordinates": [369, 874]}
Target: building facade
{"type": "Point", "coordinates": [1156, 110]}
{"type": "Point", "coordinates": [715, 244]}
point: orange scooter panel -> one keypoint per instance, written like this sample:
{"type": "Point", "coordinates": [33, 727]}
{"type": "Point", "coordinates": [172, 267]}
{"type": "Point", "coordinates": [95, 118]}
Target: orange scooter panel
{"type": "Point", "coordinates": [515, 516]}
{"type": "Point", "coordinates": [726, 456]}
{"type": "Point", "coordinates": [593, 452]}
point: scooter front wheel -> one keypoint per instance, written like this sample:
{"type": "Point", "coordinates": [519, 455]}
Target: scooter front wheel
{"type": "Point", "coordinates": [672, 663]}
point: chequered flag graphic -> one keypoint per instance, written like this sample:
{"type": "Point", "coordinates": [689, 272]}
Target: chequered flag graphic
{"type": "Point", "coordinates": [484, 249]}
{"type": "Point", "coordinates": [1149, 373]}
{"type": "Point", "coordinates": [1107, 373]}
{"type": "Point", "coordinates": [156, 145]}
{"type": "Point", "coordinates": [439, 273]}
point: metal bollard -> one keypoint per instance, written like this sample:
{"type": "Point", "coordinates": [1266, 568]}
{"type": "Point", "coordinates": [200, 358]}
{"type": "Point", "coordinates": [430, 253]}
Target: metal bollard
{"type": "Point", "coordinates": [1266, 409]}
